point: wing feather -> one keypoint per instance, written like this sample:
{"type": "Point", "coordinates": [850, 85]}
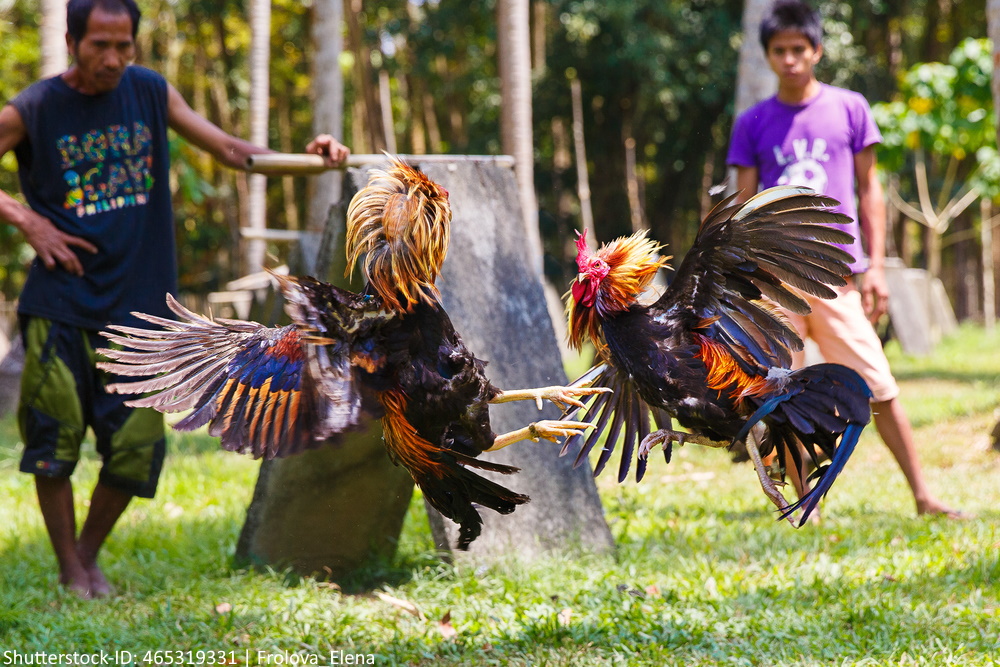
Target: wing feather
{"type": "Point", "coordinates": [265, 391]}
{"type": "Point", "coordinates": [776, 241]}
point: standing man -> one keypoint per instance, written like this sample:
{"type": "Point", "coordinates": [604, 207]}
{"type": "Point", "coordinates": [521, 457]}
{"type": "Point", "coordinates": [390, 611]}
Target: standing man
{"type": "Point", "coordinates": [93, 163]}
{"type": "Point", "coordinates": [817, 135]}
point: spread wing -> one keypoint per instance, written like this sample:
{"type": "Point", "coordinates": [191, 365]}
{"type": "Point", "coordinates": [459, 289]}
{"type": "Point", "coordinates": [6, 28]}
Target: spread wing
{"type": "Point", "coordinates": [615, 412]}
{"type": "Point", "coordinates": [264, 391]}
{"type": "Point", "coordinates": [778, 239]}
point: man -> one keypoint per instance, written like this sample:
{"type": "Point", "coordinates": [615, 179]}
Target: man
{"type": "Point", "coordinates": [93, 163]}
{"type": "Point", "coordinates": [820, 136]}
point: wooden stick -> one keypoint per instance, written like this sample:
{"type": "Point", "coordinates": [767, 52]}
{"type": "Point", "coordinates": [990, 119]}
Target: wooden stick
{"type": "Point", "coordinates": [307, 163]}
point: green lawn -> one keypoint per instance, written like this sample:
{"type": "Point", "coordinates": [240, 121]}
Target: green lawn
{"type": "Point", "coordinates": [703, 574]}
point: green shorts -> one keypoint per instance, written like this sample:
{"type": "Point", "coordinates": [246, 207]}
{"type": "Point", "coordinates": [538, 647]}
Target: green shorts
{"type": "Point", "coordinates": [62, 393]}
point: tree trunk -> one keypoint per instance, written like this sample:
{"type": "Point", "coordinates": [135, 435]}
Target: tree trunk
{"type": "Point", "coordinates": [52, 38]}
{"type": "Point", "coordinates": [582, 173]}
{"type": "Point", "coordinates": [362, 73]}
{"type": "Point", "coordinates": [328, 107]}
{"type": "Point", "coordinates": [514, 39]}
{"type": "Point", "coordinates": [290, 204]}
{"type": "Point", "coordinates": [932, 250]}
{"type": "Point", "coordinates": [754, 79]}
{"type": "Point", "coordinates": [989, 265]}
{"type": "Point", "coordinates": [631, 177]}
{"type": "Point", "coordinates": [260, 57]}
{"type": "Point", "coordinates": [989, 273]}
{"type": "Point", "coordinates": [539, 30]}
{"type": "Point", "coordinates": [332, 511]}
{"type": "Point", "coordinates": [385, 102]}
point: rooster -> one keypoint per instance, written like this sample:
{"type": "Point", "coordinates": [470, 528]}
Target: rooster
{"type": "Point", "coordinates": [713, 352]}
{"type": "Point", "coordinates": [390, 352]}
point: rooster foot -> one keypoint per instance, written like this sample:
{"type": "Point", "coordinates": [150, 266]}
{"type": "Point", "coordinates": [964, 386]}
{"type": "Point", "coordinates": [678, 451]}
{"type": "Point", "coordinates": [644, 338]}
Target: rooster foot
{"type": "Point", "coordinates": [547, 429]}
{"type": "Point", "coordinates": [564, 397]}
{"type": "Point", "coordinates": [666, 436]}
{"type": "Point", "coordinates": [768, 484]}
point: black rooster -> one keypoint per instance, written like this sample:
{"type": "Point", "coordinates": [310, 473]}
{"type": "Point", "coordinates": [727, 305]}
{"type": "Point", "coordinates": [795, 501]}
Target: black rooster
{"type": "Point", "coordinates": [712, 351]}
{"type": "Point", "coordinates": [390, 353]}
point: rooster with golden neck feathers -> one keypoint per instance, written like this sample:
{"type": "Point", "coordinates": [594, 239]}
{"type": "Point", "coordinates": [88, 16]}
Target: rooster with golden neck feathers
{"type": "Point", "coordinates": [389, 353]}
{"type": "Point", "coordinates": [712, 352]}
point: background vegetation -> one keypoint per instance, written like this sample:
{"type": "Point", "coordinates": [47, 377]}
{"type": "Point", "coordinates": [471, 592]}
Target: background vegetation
{"type": "Point", "coordinates": [703, 573]}
{"type": "Point", "coordinates": [661, 73]}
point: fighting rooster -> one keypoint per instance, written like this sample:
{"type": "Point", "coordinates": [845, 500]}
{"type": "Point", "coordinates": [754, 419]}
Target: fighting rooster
{"type": "Point", "coordinates": [390, 353]}
{"type": "Point", "coordinates": [712, 352]}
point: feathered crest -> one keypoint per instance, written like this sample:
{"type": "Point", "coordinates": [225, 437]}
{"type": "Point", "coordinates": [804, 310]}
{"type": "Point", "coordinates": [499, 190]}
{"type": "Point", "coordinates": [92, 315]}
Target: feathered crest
{"type": "Point", "coordinates": [624, 268]}
{"type": "Point", "coordinates": [401, 221]}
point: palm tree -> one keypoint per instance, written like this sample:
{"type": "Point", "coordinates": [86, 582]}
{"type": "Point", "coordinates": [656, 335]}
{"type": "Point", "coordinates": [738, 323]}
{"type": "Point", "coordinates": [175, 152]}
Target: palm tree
{"type": "Point", "coordinates": [328, 101]}
{"type": "Point", "coordinates": [260, 59]}
{"type": "Point", "coordinates": [993, 30]}
{"type": "Point", "coordinates": [754, 80]}
{"type": "Point", "coordinates": [514, 46]}
{"type": "Point", "coordinates": [52, 36]}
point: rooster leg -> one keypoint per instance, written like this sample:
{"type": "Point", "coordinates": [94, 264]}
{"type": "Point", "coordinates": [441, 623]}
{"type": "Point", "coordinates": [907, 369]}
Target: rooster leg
{"type": "Point", "coordinates": [770, 490]}
{"type": "Point", "coordinates": [548, 429]}
{"type": "Point", "coordinates": [564, 397]}
{"type": "Point", "coordinates": [665, 436]}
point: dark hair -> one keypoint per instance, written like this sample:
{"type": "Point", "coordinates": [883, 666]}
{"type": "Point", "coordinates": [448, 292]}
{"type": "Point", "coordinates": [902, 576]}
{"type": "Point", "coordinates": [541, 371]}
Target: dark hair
{"type": "Point", "coordinates": [792, 15]}
{"type": "Point", "coordinates": [78, 13]}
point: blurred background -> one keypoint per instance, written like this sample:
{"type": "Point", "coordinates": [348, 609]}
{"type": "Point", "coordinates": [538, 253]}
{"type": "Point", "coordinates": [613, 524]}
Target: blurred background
{"type": "Point", "coordinates": [656, 85]}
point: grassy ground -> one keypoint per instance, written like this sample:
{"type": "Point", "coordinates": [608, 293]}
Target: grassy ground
{"type": "Point", "coordinates": [703, 574]}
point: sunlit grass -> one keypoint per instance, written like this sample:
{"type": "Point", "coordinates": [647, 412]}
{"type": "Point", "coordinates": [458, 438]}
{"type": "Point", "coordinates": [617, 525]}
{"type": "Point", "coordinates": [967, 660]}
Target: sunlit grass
{"type": "Point", "coordinates": [703, 573]}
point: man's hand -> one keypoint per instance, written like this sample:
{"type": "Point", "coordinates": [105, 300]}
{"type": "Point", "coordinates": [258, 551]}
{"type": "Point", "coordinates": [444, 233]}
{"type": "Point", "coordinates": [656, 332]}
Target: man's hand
{"type": "Point", "coordinates": [54, 246]}
{"type": "Point", "coordinates": [334, 153]}
{"type": "Point", "coordinates": [874, 294]}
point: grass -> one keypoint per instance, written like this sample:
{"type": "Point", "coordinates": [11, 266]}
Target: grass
{"type": "Point", "coordinates": [703, 574]}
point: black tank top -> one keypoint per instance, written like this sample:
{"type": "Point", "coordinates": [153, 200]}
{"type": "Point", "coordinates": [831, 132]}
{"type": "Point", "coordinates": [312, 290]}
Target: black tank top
{"type": "Point", "coordinates": [97, 166]}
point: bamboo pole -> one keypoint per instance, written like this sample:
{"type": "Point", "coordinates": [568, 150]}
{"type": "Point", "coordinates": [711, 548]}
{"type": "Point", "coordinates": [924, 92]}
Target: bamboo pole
{"type": "Point", "coordinates": [306, 163]}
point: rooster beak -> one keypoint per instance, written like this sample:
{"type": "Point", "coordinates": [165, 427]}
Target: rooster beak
{"type": "Point", "coordinates": [581, 277]}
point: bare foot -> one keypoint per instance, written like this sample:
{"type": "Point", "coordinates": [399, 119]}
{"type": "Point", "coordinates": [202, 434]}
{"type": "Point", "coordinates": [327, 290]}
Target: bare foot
{"type": "Point", "coordinates": [77, 583]}
{"type": "Point", "coordinates": [937, 508]}
{"type": "Point", "coordinates": [99, 586]}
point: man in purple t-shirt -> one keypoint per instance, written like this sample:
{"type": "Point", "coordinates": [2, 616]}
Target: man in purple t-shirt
{"type": "Point", "coordinates": [816, 135]}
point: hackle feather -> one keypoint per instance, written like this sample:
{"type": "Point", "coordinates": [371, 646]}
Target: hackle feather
{"type": "Point", "coordinates": [632, 264]}
{"type": "Point", "coordinates": [401, 222]}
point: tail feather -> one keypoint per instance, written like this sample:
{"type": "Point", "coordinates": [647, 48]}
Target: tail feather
{"type": "Point", "coordinates": [455, 491]}
{"type": "Point", "coordinates": [624, 409]}
{"type": "Point", "coordinates": [825, 475]}
{"type": "Point", "coordinates": [825, 406]}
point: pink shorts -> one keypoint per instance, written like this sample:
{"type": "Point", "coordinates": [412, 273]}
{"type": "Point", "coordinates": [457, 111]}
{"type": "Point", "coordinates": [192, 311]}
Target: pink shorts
{"type": "Point", "coordinates": [844, 335]}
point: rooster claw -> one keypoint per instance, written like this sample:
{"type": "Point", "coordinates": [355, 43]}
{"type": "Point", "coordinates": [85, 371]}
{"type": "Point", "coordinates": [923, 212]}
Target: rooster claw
{"type": "Point", "coordinates": [564, 397]}
{"type": "Point", "coordinates": [665, 437]}
{"type": "Point", "coordinates": [547, 429]}
{"type": "Point", "coordinates": [551, 430]}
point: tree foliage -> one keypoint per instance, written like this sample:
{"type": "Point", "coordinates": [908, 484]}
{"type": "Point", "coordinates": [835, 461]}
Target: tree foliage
{"type": "Point", "coordinates": [943, 108]}
{"type": "Point", "coordinates": [658, 72]}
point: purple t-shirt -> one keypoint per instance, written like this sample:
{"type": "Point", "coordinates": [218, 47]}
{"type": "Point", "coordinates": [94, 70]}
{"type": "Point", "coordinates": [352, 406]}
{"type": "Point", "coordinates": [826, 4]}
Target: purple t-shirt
{"type": "Point", "coordinates": [811, 144]}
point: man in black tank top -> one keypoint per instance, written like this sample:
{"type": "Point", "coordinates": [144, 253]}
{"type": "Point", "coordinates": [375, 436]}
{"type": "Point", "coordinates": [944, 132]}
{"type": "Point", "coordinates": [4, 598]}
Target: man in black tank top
{"type": "Point", "coordinates": [93, 163]}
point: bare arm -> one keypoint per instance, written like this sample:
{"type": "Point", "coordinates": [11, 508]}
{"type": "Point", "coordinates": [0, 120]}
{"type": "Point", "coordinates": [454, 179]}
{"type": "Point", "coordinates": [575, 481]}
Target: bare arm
{"type": "Point", "coordinates": [233, 151]}
{"type": "Point", "coordinates": [53, 246]}
{"type": "Point", "coordinates": [747, 182]}
{"type": "Point", "coordinates": [871, 215]}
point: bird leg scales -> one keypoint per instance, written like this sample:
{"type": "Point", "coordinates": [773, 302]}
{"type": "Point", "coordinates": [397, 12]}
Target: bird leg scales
{"type": "Point", "coordinates": [564, 397]}
{"type": "Point", "coordinates": [665, 436]}
{"type": "Point", "coordinates": [770, 490]}
{"type": "Point", "coordinates": [549, 429]}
